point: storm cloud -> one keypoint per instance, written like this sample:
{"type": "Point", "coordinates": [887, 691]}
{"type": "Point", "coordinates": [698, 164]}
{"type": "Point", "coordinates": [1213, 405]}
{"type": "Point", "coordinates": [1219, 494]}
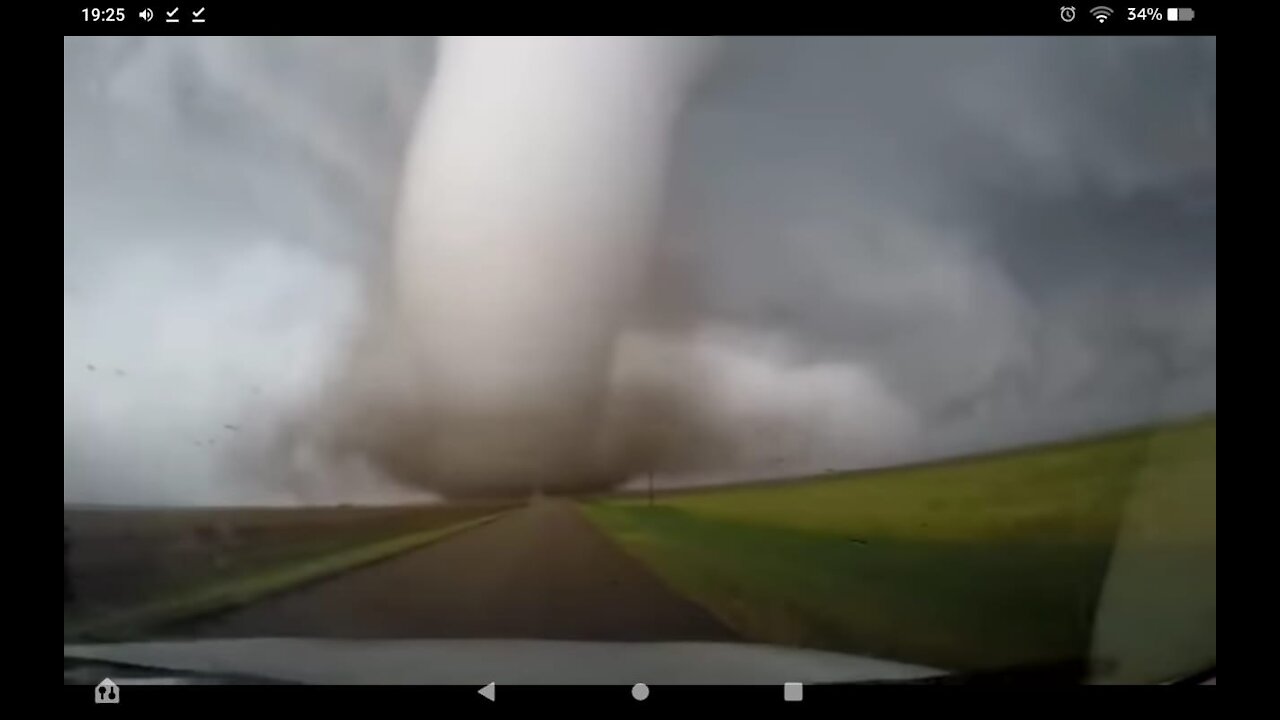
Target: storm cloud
{"type": "Point", "coordinates": [872, 250]}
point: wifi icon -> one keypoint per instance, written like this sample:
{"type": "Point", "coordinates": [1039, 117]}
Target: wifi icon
{"type": "Point", "coordinates": [1102, 12]}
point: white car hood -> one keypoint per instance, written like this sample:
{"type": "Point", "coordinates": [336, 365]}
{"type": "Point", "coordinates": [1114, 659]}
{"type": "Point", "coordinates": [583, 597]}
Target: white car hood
{"type": "Point", "coordinates": [510, 662]}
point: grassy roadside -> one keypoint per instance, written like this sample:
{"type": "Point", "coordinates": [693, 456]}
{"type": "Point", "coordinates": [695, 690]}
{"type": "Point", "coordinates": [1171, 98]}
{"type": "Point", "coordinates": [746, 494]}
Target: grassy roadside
{"type": "Point", "coordinates": [227, 593]}
{"type": "Point", "coordinates": [970, 605]}
{"type": "Point", "coordinates": [977, 564]}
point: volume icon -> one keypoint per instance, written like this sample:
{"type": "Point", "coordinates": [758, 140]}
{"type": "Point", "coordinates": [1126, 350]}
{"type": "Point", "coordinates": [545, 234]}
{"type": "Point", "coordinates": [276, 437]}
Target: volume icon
{"type": "Point", "coordinates": [146, 15]}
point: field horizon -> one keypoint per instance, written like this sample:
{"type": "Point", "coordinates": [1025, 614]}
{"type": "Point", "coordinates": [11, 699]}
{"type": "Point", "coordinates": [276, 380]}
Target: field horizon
{"type": "Point", "coordinates": [833, 474]}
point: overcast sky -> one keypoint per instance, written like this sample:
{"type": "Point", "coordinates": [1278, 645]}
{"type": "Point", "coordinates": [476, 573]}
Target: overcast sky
{"type": "Point", "coordinates": [932, 245]}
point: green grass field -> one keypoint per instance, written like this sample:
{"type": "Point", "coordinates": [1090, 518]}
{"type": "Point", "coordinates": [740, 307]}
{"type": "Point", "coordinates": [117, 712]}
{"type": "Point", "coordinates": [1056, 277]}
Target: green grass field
{"type": "Point", "coordinates": [980, 563]}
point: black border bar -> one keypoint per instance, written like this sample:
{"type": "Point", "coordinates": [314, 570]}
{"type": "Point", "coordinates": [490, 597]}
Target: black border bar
{"type": "Point", "coordinates": [886, 18]}
{"type": "Point", "coordinates": [460, 697]}
{"type": "Point", "coordinates": [435, 699]}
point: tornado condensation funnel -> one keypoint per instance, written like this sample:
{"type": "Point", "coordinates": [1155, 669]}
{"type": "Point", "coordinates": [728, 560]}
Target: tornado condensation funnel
{"type": "Point", "coordinates": [529, 200]}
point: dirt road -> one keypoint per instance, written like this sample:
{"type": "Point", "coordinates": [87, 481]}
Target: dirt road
{"type": "Point", "coordinates": [542, 571]}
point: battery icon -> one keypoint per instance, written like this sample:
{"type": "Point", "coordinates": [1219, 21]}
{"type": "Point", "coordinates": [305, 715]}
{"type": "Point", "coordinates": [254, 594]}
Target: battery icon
{"type": "Point", "coordinates": [1175, 14]}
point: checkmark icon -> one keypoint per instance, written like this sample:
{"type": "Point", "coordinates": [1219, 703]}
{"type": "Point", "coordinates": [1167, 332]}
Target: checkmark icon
{"type": "Point", "coordinates": [197, 13]}
{"type": "Point", "coordinates": [172, 12]}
